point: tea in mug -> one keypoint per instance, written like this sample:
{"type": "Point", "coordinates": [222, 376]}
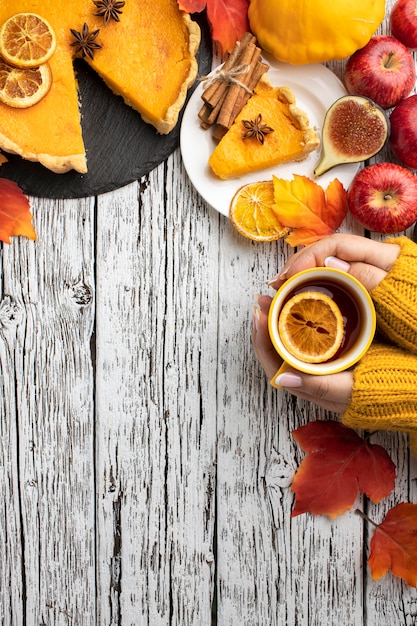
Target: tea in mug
{"type": "Point", "coordinates": [345, 301]}
{"type": "Point", "coordinates": [350, 332]}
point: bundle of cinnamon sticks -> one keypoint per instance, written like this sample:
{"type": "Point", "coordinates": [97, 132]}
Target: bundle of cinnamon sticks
{"type": "Point", "coordinates": [230, 88]}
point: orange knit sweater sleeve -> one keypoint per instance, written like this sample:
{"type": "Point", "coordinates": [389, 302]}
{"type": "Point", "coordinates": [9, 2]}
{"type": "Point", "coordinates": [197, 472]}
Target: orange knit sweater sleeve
{"type": "Point", "coordinates": [384, 395]}
{"type": "Point", "coordinates": [395, 298]}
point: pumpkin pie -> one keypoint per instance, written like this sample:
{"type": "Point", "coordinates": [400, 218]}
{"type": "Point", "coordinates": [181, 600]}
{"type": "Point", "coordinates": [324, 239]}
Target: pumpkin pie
{"type": "Point", "coordinates": [148, 58]}
{"type": "Point", "coordinates": [269, 130]}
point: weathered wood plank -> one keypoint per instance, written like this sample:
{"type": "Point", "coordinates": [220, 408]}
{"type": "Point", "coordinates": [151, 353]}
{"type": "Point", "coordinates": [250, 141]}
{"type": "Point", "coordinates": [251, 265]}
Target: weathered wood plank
{"type": "Point", "coordinates": [47, 529]}
{"type": "Point", "coordinates": [156, 330]}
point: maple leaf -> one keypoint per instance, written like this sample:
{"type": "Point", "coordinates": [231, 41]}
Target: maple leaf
{"type": "Point", "coordinates": [304, 206]}
{"type": "Point", "coordinates": [394, 544]}
{"type": "Point", "coordinates": [228, 19]}
{"type": "Point", "coordinates": [339, 463]}
{"type": "Point", "coordinates": [15, 215]}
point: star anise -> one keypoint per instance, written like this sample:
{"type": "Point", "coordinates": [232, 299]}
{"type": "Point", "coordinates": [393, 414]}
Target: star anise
{"type": "Point", "coordinates": [109, 9]}
{"type": "Point", "coordinates": [85, 41]}
{"type": "Point", "coordinates": [255, 128]}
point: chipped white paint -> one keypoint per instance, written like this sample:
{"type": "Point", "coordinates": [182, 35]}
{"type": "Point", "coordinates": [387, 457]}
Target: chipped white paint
{"type": "Point", "coordinates": [145, 463]}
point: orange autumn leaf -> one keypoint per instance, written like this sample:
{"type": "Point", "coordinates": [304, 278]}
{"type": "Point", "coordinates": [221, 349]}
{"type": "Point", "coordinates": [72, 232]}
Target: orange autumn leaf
{"type": "Point", "coordinates": [394, 544]}
{"type": "Point", "coordinates": [304, 206]}
{"type": "Point", "coordinates": [15, 215]}
{"type": "Point", "coordinates": [228, 19]}
{"type": "Point", "coordinates": [339, 463]}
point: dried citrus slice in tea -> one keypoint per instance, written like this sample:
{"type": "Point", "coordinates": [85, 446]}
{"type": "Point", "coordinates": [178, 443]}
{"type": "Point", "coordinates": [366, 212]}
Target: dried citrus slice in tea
{"type": "Point", "coordinates": [311, 327]}
{"type": "Point", "coordinates": [23, 87]}
{"type": "Point", "coordinates": [26, 40]}
{"type": "Point", "coordinates": [251, 212]}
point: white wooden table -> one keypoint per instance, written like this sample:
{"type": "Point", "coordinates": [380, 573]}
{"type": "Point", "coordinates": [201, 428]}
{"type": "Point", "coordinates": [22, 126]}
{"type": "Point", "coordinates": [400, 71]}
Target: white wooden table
{"type": "Point", "coordinates": [145, 462]}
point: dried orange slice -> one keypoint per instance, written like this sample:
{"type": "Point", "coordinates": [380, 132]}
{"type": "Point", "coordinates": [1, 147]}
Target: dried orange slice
{"type": "Point", "coordinates": [311, 327]}
{"type": "Point", "coordinates": [26, 40]}
{"type": "Point", "coordinates": [23, 87]}
{"type": "Point", "coordinates": [251, 212]}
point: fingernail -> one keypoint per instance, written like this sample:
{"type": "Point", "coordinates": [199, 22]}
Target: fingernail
{"type": "Point", "coordinates": [338, 264]}
{"type": "Point", "coordinates": [274, 279]}
{"type": "Point", "coordinates": [288, 379]}
{"type": "Point", "coordinates": [256, 313]}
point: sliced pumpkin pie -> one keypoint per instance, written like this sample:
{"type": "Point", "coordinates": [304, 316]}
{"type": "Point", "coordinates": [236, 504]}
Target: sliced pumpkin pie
{"type": "Point", "coordinates": [147, 58]}
{"type": "Point", "coordinates": [269, 130]}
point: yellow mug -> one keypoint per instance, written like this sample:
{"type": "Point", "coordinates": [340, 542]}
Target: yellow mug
{"type": "Point", "coordinates": [357, 309]}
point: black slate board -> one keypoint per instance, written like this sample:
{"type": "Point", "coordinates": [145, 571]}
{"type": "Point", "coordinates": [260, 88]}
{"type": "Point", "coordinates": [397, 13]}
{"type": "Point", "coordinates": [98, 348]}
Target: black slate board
{"type": "Point", "coordinates": [120, 147]}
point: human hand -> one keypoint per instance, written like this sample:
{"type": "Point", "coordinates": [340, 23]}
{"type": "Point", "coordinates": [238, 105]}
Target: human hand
{"type": "Point", "coordinates": [368, 261]}
{"type": "Point", "coordinates": [330, 392]}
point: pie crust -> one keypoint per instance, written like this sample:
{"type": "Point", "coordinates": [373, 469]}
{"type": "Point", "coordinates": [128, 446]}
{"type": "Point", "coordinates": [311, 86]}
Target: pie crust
{"type": "Point", "coordinates": [148, 58]}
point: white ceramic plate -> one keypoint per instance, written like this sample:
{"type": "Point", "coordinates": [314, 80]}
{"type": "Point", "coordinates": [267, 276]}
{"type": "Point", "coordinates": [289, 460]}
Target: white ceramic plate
{"type": "Point", "coordinates": [315, 88]}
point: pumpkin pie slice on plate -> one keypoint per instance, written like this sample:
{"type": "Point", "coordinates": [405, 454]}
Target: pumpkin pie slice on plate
{"type": "Point", "coordinates": [147, 58]}
{"type": "Point", "coordinates": [269, 130]}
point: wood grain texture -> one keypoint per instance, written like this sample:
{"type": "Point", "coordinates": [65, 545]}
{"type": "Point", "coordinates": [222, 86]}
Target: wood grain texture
{"type": "Point", "coordinates": [47, 531]}
{"type": "Point", "coordinates": [145, 462]}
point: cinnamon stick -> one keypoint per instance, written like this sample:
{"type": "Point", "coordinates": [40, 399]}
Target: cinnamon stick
{"type": "Point", "coordinates": [224, 98]}
{"type": "Point", "coordinates": [219, 132]}
{"type": "Point", "coordinates": [243, 96]}
{"type": "Point", "coordinates": [249, 59]}
{"type": "Point", "coordinates": [204, 115]}
{"type": "Point", "coordinates": [259, 70]}
{"type": "Point", "coordinates": [208, 115]}
{"type": "Point", "coordinates": [214, 91]}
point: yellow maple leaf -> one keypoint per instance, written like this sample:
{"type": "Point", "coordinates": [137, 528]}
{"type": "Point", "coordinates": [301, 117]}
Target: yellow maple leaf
{"type": "Point", "coordinates": [311, 212]}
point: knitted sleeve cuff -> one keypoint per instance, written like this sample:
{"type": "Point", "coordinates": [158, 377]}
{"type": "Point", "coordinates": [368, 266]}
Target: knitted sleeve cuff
{"type": "Point", "coordinates": [395, 298]}
{"type": "Point", "coordinates": [384, 394]}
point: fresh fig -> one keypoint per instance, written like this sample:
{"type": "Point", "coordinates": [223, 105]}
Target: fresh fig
{"type": "Point", "coordinates": [354, 129]}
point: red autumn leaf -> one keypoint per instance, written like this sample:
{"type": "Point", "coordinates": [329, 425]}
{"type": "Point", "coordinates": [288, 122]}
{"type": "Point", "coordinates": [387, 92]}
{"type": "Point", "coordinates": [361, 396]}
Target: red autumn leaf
{"type": "Point", "coordinates": [394, 544]}
{"type": "Point", "coordinates": [339, 463]}
{"type": "Point", "coordinates": [15, 215]}
{"type": "Point", "coordinates": [304, 206]}
{"type": "Point", "coordinates": [228, 19]}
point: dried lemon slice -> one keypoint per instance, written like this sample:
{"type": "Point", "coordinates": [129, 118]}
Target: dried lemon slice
{"type": "Point", "coordinates": [26, 40]}
{"type": "Point", "coordinates": [251, 212]}
{"type": "Point", "coordinates": [311, 327]}
{"type": "Point", "coordinates": [24, 87]}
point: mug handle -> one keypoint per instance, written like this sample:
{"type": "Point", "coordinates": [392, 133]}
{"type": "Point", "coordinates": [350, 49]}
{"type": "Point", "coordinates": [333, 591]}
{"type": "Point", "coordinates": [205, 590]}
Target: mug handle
{"type": "Point", "coordinates": [283, 368]}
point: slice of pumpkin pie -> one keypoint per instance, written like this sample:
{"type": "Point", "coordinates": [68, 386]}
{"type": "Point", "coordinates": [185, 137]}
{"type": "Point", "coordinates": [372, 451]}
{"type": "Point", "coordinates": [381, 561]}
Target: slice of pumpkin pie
{"type": "Point", "coordinates": [269, 130]}
{"type": "Point", "coordinates": [145, 53]}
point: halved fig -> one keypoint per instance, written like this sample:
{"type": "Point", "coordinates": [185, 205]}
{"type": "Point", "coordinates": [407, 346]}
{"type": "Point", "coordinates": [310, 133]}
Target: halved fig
{"type": "Point", "coordinates": [354, 129]}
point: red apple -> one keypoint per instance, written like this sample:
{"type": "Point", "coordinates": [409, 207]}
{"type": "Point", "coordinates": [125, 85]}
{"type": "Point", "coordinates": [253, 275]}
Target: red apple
{"type": "Point", "coordinates": [403, 20]}
{"type": "Point", "coordinates": [383, 71]}
{"type": "Point", "coordinates": [383, 198]}
{"type": "Point", "coordinates": [403, 134]}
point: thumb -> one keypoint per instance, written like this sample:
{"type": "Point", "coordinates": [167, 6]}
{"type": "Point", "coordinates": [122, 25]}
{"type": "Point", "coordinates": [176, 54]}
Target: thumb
{"type": "Point", "coordinates": [332, 392]}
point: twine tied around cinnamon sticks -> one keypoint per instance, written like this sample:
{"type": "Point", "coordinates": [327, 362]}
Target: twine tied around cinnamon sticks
{"type": "Point", "coordinates": [228, 90]}
{"type": "Point", "coordinates": [229, 77]}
